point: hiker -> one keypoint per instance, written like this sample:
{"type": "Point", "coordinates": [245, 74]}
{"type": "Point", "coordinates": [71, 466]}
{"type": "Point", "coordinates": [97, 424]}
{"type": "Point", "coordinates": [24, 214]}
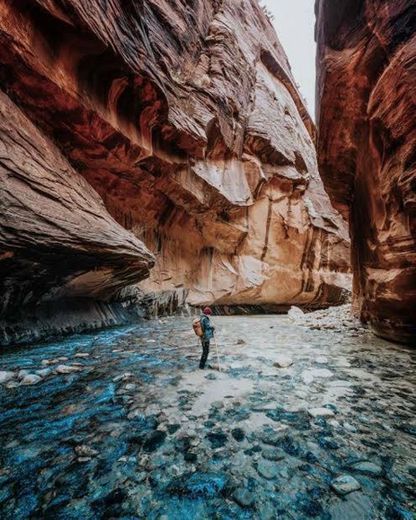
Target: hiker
{"type": "Point", "coordinates": [205, 330]}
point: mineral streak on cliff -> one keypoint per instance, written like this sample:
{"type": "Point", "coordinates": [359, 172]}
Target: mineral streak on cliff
{"type": "Point", "coordinates": [185, 119]}
{"type": "Point", "coordinates": [367, 149]}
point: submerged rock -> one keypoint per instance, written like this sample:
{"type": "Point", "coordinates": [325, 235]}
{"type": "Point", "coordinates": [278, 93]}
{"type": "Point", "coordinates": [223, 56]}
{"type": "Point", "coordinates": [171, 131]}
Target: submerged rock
{"type": "Point", "coordinates": [267, 469]}
{"type": "Point", "coordinates": [243, 497]}
{"type": "Point", "coordinates": [345, 484]}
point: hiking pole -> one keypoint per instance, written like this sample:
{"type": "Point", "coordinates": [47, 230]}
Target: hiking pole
{"type": "Point", "coordinates": [218, 356]}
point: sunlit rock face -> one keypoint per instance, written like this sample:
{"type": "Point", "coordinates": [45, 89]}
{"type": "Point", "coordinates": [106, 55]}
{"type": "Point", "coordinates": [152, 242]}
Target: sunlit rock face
{"type": "Point", "coordinates": [184, 118]}
{"type": "Point", "coordinates": [367, 149]}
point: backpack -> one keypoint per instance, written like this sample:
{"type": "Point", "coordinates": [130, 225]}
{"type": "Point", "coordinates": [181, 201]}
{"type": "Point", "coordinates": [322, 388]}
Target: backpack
{"type": "Point", "coordinates": [196, 325]}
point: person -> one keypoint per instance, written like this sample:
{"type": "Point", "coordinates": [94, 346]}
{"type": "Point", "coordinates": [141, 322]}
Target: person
{"type": "Point", "coordinates": [207, 335]}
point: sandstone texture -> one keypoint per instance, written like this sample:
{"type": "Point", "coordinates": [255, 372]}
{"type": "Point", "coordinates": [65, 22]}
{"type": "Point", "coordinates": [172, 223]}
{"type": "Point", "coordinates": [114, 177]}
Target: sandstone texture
{"type": "Point", "coordinates": [367, 149]}
{"type": "Point", "coordinates": [182, 121]}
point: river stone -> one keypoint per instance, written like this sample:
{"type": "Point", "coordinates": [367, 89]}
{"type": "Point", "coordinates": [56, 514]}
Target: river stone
{"type": "Point", "coordinates": [85, 451]}
{"type": "Point", "coordinates": [6, 376]}
{"type": "Point", "coordinates": [266, 469]}
{"type": "Point", "coordinates": [320, 412]}
{"type": "Point", "coordinates": [282, 361]}
{"type": "Point", "coordinates": [31, 379]}
{"type": "Point", "coordinates": [368, 468]}
{"type": "Point", "coordinates": [345, 484]}
{"type": "Point", "coordinates": [272, 454]}
{"type": "Point", "coordinates": [66, 369]}
{"type": "Point", "coordinates": [243, 497]}
{"type": "Point", "coordinates": [44, 372]}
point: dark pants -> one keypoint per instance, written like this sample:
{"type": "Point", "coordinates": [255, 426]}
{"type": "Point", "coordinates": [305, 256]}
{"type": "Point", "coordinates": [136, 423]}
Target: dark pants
{"type": "Point", "coordinates": [205, 352]}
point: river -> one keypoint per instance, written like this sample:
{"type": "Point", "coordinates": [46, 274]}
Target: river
{"type": "Point", "coordinates": [123, 424]}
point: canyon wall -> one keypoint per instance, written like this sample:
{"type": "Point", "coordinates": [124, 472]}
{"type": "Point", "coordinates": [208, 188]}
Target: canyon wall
{"type": "Point", "coordinates": [366, 118]}
{"type": "Point", "coordinates": [184, 119]}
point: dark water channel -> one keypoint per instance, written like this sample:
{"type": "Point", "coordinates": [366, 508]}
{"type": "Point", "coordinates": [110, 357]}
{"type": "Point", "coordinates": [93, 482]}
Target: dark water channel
{"type": "Point", "coordinates": [127, 427]}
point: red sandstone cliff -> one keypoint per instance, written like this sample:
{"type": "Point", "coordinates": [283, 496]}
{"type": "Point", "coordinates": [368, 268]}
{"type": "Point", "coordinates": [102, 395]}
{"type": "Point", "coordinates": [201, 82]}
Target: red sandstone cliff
{"type": "Point", "coordinates": [185, 119]}
{"type": "Point", "coordinates": [367, 149]}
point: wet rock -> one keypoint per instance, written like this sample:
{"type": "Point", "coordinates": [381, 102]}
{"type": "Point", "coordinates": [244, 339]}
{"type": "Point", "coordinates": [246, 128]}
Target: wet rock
{"type": "Point", "coordinates": [31, 379]}
{"type": "Point", "coordinates": [267, 469]}
{"type": "Point", "coordinates": [327, 443]}
{"type": "Point", "coordinates": [44, 372]}
{"type": "Point", "coordinates": [282, 361]}
{"type": "Point", "coordinates": [123, 377]}
{"type": "Point", "coordinates": [6, 376]}
{"type": "Point", "coordinates": [320, 412]}
{"type": "Point", "coordinates": [82, 355]}
{"type": "Point", "coordinates": [67, 369]}
{"type": "Point", "coordinates": [272, 454]}
{"type": "Point", "coordinates": [368, 468]}
{"type": "Point", "coordinates": [85, 451]}
{"type": "Point", "coordinates": [240, 342]}
{"type": "Point", "coordinates": [243, 497]}
{"type": "Point", "coordinates": [345, 484]}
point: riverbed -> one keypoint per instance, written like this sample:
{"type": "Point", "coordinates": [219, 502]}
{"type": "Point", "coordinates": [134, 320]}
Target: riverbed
{"type": "Point", "coordinates": [290, 422]}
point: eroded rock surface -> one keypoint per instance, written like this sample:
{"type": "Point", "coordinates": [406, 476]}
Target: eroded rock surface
{"type": "Point", "coordinates": [367, 149]}
{"type": "Point", "coordinates": [187, 122]}
{"type": "Point", "coordinates": [57, 240]}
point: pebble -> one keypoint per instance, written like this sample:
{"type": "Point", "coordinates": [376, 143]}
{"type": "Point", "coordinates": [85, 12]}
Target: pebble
{"type": "Point", "coordinates": [82, 355]}
{"type": "Point", "coordinates": [345, 484]}
{"type": "Point", "coordinates": [85, 451]}
{"type": "Point", "coordinates": [282, 361]}
{"type": "Point", "coordinates": [31, 379]}
{"type": "Point", "coordinates": [66, 369]}
{"type": "Point", "coordinates": [6, 376]}
{"type": "Point", "coordinates": [320, 412]}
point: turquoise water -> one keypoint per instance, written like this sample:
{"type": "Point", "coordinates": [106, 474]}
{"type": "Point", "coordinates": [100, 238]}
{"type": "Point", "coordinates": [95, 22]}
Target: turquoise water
{"type": "Point", "coordinates": [139, 432]}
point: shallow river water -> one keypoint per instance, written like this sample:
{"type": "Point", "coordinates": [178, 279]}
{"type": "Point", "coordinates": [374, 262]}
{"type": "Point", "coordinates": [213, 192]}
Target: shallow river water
{"type": "Point", "coordinates": [135, 430]}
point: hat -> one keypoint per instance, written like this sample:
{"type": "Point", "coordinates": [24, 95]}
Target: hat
{"type": "Point", "coordinates": [207, 311]}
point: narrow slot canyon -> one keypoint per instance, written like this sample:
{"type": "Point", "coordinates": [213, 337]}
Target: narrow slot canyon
{"type": "Point", "coordinates": [158, 158]}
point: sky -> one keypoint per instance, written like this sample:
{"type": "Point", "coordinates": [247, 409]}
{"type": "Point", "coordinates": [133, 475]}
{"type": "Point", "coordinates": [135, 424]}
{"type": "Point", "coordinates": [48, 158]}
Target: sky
{"type": "Point", "coordinates": [294, 21]}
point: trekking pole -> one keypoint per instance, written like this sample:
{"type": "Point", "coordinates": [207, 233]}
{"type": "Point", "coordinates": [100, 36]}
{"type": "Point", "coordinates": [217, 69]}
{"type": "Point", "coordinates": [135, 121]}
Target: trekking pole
{"type": "Point", "coordinates": [218, 356]}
